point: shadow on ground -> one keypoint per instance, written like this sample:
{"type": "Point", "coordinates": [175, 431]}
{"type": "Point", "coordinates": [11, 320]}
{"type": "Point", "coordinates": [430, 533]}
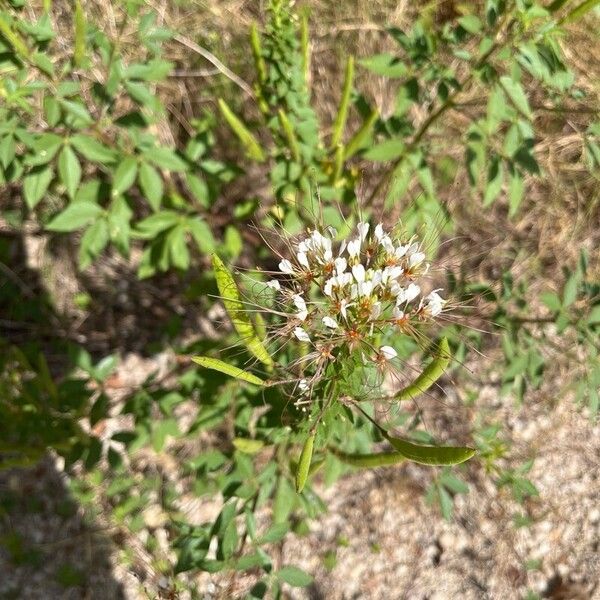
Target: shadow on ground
{"type": "Point", "coordinates": [49, 548]}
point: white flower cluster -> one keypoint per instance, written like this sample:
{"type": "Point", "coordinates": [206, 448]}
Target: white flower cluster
{"type": "Point", "coordinates": [367, 286]}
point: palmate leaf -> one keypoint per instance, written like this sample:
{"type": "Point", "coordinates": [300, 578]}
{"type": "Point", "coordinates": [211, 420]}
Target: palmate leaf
{"type": "Point", "coordinates": [235, 309]}
{"type": "Point", "coordinates": [432, 372]}
{"type": "Point", "coordinates": [219, 365]}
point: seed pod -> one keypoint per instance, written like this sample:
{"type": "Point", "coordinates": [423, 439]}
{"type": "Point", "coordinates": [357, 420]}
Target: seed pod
{"type": "Point", "coordinates": [304, 463]}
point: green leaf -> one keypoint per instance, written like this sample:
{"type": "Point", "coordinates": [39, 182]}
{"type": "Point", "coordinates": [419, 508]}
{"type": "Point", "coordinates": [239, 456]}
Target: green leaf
{"type": "Point", "coordinates": [551, 301]}
{"type": "Point", "coordinates": [570, 291]}
{"type": "Point", "coordinates": [516, 189]}
{"type": "Point", "coordinates": [69, 170]}
{"type": "Point", "coordinates": [594, 316]}
{"type": "Point", "coordinates": [248, 446]}
{"type": "Point", "coordinates": [274, 534]}
{"type": "Point", "coordinates": [384, 151]}
{"type": "Point", "coordinates": [151, 226]}
{"type": "Point", "coordinates": [431, 455]}
{"type": "Point", "coordinates": [166, 158]}
{"type": "Point", "coordinates": [125, 175]}
{"type": "Point", "coordinates": [92, 149]}
{"type": "Point", "coordinates": [75, 216]}
{"type": "Point", "coordinates": [7, 150]}
{"type": "Point", "coordinates": [432, 372]}
{"type": "Point", "coordinates": [240, 319]}
{"type": "Point", "coordinates": [151, 184]}
{"type": "Point", "coordinates": [202, 233]}
{"type": "Point", "coordinates": [44, 149]}
{"type": "Point", "coordinates": [92, 243]}
{"type": "Point", "coordinates": [250, 143]}
{"type": "Point", "coordinates": [77, 110]}
{"type": "Point", "coordinates": [470, 23]}
{"type": "Point", "coordinates": [42, 62]}
{"type": "Point", "coordinates": [180, 256]}
{"type": "Point", "coordinates": [199, 189]}
{"type": "Point", "coordinates": [218, 365]}
{"type": "Point", "coordinates": [494, 181]}
{"type": "Point", "coordinates": [386, 65]}
{"type": "Point", "coordinates": [35, 185]}
{"type": "Point", "coordinates": [517, 95]}
{"type": "Point", "coordinates": [304, 463]}
{"type": "Point", "coordinates": [294, 576]}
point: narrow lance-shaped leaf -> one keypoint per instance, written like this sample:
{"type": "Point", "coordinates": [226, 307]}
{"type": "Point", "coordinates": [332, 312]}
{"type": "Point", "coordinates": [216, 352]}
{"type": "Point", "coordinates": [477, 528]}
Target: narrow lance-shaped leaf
{"type": "Point", "coordinates": [219, 365]}
{"type": "Point", "coordinates": [342, 115]}
{"type": "Point", "coordinates": [304, 463]}
{"type": "Point", "coordinates": [250, 143]}
{"type": "Point", "coordinates": [290, 135]}
{"type": "Point", "coordinates": [240, 319]}
{"type": "Point", "coordinates": [432, 372]}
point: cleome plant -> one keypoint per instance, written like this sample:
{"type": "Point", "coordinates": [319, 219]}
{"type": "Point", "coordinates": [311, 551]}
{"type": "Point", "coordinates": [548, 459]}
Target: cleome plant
{"type": "Point", "coordinates": [334, 310]}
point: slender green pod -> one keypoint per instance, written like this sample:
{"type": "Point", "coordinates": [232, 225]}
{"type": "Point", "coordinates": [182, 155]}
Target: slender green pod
{"type": "Point", "coordinates": [13, 38]}
{"type": "Point", "coordinates": [290, 135]}
{"type": "Point", "coordinates": [259, 61]}
{"type": "Point", "coordinates": [360, 137]}
{"type": "Point", "coordinates": [369, 461]}
{"type": "Point", "coordinates": [79, 51]}
{"type": "Point", "coordinates": [304, 462]}
{"type": "Point", "coordinates": [250, 143]}
{"type": "Point", "coordinates": [342, 115]}
{"type": "Point", "coordinates": [304, 46]}
{"type": "Point", "coordinates": [432, 372]}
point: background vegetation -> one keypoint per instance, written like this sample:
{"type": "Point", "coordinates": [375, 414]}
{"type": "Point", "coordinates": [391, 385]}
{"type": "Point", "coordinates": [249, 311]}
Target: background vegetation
{"type": "Point", "coordinates": [137, 138]}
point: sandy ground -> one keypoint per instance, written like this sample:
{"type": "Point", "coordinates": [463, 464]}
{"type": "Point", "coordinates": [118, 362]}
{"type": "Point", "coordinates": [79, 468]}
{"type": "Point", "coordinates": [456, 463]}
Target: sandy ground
{"type": "Point", "coordinates": [387, 542]}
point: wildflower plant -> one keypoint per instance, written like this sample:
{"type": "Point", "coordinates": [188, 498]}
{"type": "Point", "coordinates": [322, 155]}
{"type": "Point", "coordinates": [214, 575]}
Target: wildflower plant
{"type": "Point", "coordinates": [335, 309]}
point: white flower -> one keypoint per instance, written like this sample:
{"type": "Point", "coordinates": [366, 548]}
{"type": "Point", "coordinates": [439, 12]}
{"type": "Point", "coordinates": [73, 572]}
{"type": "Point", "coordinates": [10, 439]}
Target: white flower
{"type": "Point", "coordinates": [387, 352]}
{"type": "Point", "coordinates": [416, 259]}
{"type": "Point", "coordinates": [301, 334]}
{"type": "Point", "coordinates": [408, 294]}
{"type": "Point", "coordinates": [392, 273]}
{"type": "Point", "coordinates": [434, 303]}
{"type": "Point", "coordinates": [363, 229]}
{"type": "Point", "coordinates": [285, 266]}
{"type": "Point", "coordinates": [379, 233]}
{"type": "Point", "coordinates": [400, 251]}
{"type": "Point", "coordinates": [397, 313]}
{"type": "Point", "coordinates": [340, 265]}
{"type": "Point", "coordinates": [274, 284]}
{"type": "Point", "coordinates": [359, 273]}
{"type": "Point", "coordinates": [344, 305]}
{"type": "Point", "coordinates": [301, 306]}
{"type": "Point", "coordinates": [353, 248]}
{"type": "Point", "coordinates": [303, 259]}
{"type": "Point", "coordinates": [303, 386]}
{"type": "Point", "coordinates": [330, 322]}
